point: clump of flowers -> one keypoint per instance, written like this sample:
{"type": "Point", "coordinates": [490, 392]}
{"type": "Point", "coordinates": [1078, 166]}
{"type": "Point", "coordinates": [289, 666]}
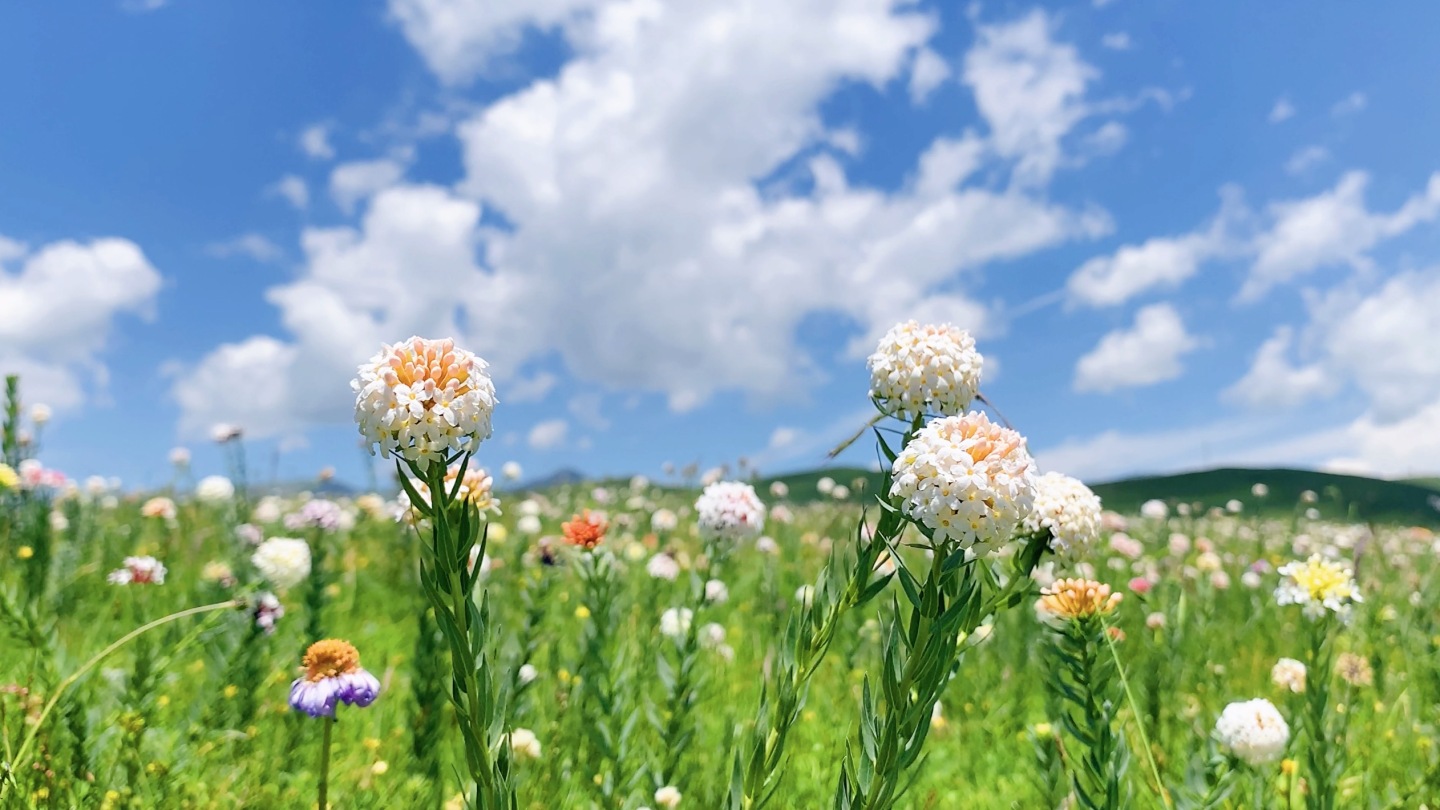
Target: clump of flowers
{"type": "Point", "coordinates": [1318, 585]}
{"type": "Point", "coordinates": [967, 480]}
{"type": "Point", "coordinates": [1072, 599]}
{"type": "Point", "coordinates": [159, 507]}
{"type": "Point", "coordinates": [215, 489]}
{"type": "Point", "coordinates": [1069, 510]}
{"type": "Point", "coordinates": [266, 611]}
{"type": "Point", "coordinates": [476, 486]}
{"type": "Point", "coordinates": [424, 400]}
{"type": "Point", "coordinates": [332, 675]}
{"type": "Point", "coordinates": [585, 530]}
{"type": "Point", "coordinates": [1289, 674]}
{"type": "Point", "coordinates": [283, 561]}
{"type": "Point", "coordinates": [729, 511]}
{"type": "Point", "coordinates": [924, 369]}
{"type": "Point", "coordinates": [139, 571]}
{"type": "Point", "coordinates": [319, 513]}
{"type": "Point", "coordinates": [1354, 669]}
{"type": "Point", "coordinates": [1254, 731]}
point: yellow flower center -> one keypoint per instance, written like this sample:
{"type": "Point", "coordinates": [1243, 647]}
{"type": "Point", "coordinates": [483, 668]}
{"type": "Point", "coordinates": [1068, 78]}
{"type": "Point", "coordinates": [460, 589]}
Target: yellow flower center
{"type": "Point", "coordinates": [1323, 579]}
{"type": "Point", "coordinates": [330, 658]}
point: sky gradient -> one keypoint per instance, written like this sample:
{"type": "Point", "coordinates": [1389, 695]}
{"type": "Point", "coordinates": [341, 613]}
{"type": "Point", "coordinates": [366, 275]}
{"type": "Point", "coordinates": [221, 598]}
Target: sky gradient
{"type": "Point", "coordinates": [1184, 234]}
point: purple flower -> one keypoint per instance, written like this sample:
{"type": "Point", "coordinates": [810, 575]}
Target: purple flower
{"type": "Point", "coordinates": [333, 675]}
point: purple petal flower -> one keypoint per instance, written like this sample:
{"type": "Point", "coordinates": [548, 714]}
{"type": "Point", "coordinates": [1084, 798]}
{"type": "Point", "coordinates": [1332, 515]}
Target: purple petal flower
{"type": "Point", "coordinates": [358, 688]}
{"type": "Point", "coordinates": [315, 698]}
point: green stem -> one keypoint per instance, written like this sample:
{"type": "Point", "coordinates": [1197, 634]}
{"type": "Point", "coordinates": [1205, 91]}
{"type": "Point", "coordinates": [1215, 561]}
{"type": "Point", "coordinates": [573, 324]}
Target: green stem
{"type": "Point", "coordinates": [1135, 710]}
{"type": "Point", "coordinates": [325, 764]}
{"type": "Point", "coordinates": [19, 760]}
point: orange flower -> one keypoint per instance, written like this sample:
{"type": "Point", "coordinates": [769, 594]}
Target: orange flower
{"type": "Point", "coordinates": [585, 530]}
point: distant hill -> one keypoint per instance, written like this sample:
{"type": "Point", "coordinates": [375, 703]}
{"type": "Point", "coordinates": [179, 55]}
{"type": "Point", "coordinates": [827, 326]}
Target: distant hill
{"type": "Point", "coordinates": [1341, 496]}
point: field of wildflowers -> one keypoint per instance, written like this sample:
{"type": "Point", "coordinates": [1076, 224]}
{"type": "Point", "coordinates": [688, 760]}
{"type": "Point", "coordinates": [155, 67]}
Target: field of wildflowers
{"type": "Point", "coordinates": [977, 633]}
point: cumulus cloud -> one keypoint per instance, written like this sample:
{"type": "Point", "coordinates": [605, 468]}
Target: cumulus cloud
{"type": "Point", "coordinates": [628, 181]}
{"type": "Point", "coordinates": [928, 72]}
{"type": "Point", "coordinates": [315, 142]}
{"type": "Point", "coordinates": [1147, 353]}
{"type": "Point", "coordinates": [58, 307]}
{"type": "Point", "coordinates": [1306, 159]}
{"type": "Point", "coordinates": [1350, 105]}
{"type": "Point", "coordinates": [352, 183]}
{"type": "Point", "coordinates": [250, 245]}
{"type": "Point", "coordinates": [1164, 262]}
{"type": "Point", "coordinates": [1333, 228]}
{"type": "Point", "coordinates": [549, 434]}
{"type": "Point", "coordinates": [1274, 382]}
{"type": "Point", "coordinates": [1030, 89]}
{"type": "Point", "coordinates": [458, 39]}
{"type": "Point", "coordinates": [293, 190]}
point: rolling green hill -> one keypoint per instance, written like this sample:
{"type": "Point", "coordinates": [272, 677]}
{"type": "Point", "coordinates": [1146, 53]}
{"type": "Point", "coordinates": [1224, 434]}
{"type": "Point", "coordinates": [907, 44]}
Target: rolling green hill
{"type": "Point", "coordinates": [1341, 496]}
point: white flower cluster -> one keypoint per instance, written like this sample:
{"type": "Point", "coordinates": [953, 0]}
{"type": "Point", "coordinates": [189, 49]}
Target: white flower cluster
{"type": "Point", "coordinates": [1289, 674]}
{"type": "Point", "coordinates": [729, 510]}
{"type": "Point", "coordinates": [283, 561]}
{"type": "Point", "coordinates": [925, 369]}
{"type": "Point", "coordinates": [967, 480]}
{"type": "Point", "coordinates": [215, 489]}
{"type": "Point", "coordinates": [1069, 510]}
{"type": "Point", "coordinates": [1318, 585]}
{"type": "Point", "coordinates": [139, 571]}
{"type": "Point", "coordinates": [1253, 730]}
{"type": "Point", "coordinates": [423, 399]}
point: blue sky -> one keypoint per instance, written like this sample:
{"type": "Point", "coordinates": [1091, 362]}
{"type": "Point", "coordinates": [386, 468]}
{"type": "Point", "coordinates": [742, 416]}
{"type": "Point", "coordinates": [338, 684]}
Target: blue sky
{"type": "Point", "coordinates": [1185, 234]}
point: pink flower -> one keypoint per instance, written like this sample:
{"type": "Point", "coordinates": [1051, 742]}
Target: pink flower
{"type": "Point", "coordinates": [1141, 585]}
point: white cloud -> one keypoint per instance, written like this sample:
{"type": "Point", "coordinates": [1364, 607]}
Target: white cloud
{"type": "Point", "coordinates": [293, 189]}
{"type": "Point", "coordinates": [58, 308]}
{"type": "Point", "coordinates": [1330, 229]}
{"type": "Point", "coordinates": [352, 183]}
{"type": "Point", "coordinates": [1163, 262]}
{"type": "Point", "coordinates": [459, 38]}
{"type": "Point", "coordinates": [532, 388]}
{"type": "Point", "coordinates": [1404, 448]}
{"type": "Point", "coordinates": [586, 410]}
{"type": "Point", "coordinates": [1030, 90]}
{"type": "Point", "coordinates": [1145, 354]}
{"type": "Point", "coordinates": [1282, 111]}
{"type": "Point", "coordinates": [1306, 159]}
{"type": "Point", "coordinates": [783, 437]}
{"type": "Point", "coordinates": [1350, 105]}
{"type": "Point", "coordinates": [1274, 382]}
{"type": "Point", "coordinates": [928, 72]}
{"type": "Point", "coordinates": [1118, 41]}
{"type": "Point", "coordinates": [549, 434]}
{"type": "Point", "coordinates": [627, 181]}
{"type": "Point", "coordinates": [142, 6]}
{"type": "Point", "coordinates": [1386, 342]}
{"type": "Point", "coordinates": [252, 245]}
{"type": "Point", "coordinates": [315, 142]}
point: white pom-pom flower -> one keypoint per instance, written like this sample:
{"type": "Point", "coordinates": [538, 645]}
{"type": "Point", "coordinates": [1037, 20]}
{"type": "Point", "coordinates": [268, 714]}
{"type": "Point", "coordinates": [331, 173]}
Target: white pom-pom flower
{"type": "Point", "coordinates": [731, 511]}
{"type": "Point", "coordinates": [283, 561]}
{"type": "Point", "coordinates": [969, 481]}
{"type": "Point", "coordinates": [925, 369]}
{"type": "Point", "coordinates": [1069, 510]}
{"type": "Point", "coordinates": [424, 400]}
{"type": "Point", "coordinates": [1253, 730]}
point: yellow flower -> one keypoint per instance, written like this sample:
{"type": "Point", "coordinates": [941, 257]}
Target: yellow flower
{"type": "Point", "coordinates": [582, 612]}
{"type": "Point", "coordinates": [231, 691]}
{"type": "Point", "coordinates": [380, 767]}
{"type": "Point", "coordinates": [372, 744]}
{"type": "Point", "coordinates": [25, 552]}
{"type": "Point", "coordinates": [8, 478]}
{"type": "Point", "coordinates": [1289, 767]}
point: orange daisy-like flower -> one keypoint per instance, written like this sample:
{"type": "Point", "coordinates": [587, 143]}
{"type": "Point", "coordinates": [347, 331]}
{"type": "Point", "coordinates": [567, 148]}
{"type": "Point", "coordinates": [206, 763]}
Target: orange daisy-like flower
{"type": "Point", "coordinates": [585, 530]}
